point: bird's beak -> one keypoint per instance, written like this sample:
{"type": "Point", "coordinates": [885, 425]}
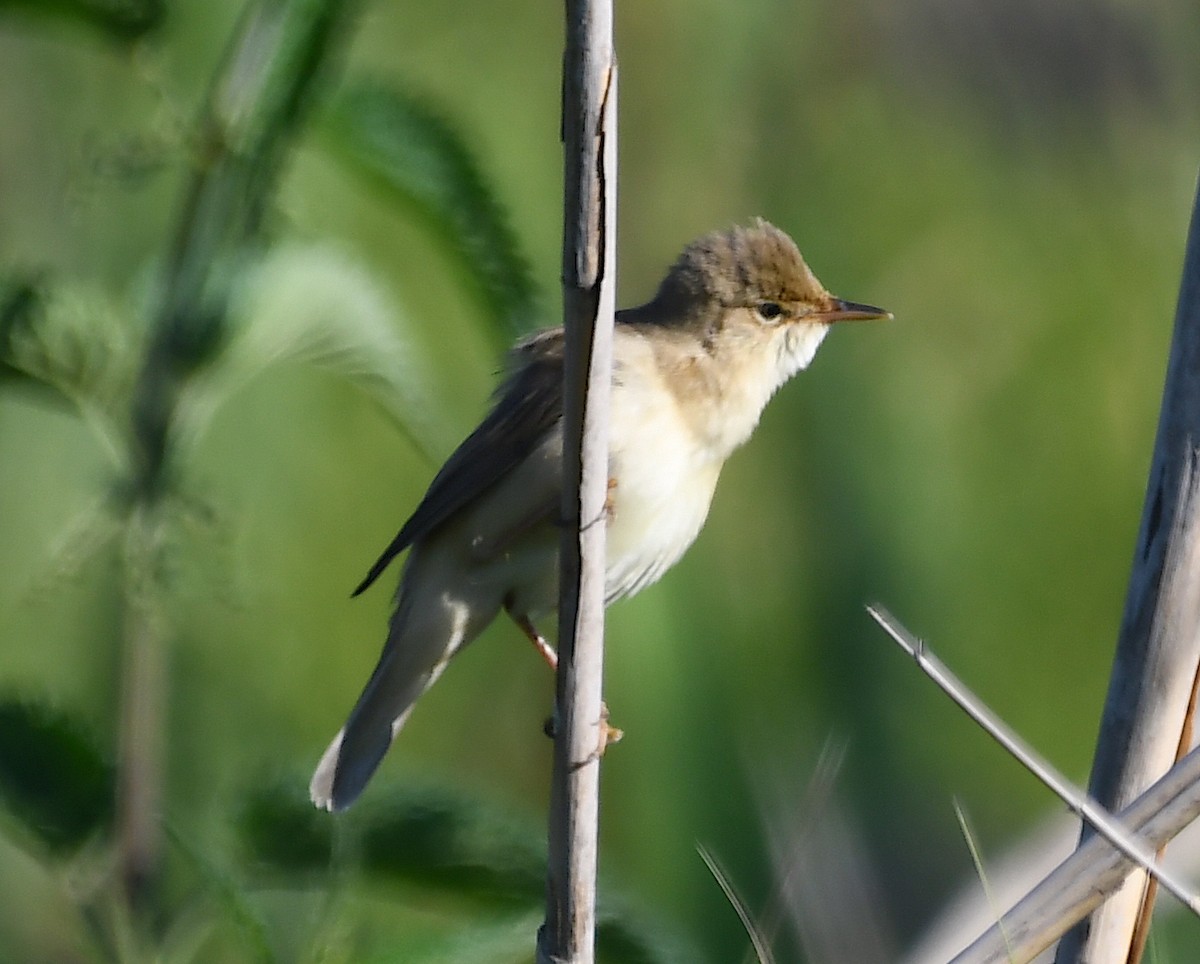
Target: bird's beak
{"type": "Point", "coordinates": [839, 310]}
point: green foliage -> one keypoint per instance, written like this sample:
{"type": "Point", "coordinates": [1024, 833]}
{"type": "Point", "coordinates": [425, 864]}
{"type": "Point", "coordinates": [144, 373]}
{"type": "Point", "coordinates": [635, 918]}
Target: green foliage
{"type": "Point", "coordinates": [977, 465]}
{"type": "Point", "coordinates": [120, 19]}
{"type": "Point", "coordinates": [430, 837]}
{"type": "Point", "coordinates": [505, 940]}
{"type": "Point", "coordinates": [439, 839]}
{"type": "Point", "coordinates": [314, 305]}
{"type": "Point", "coordinates": [281, 830]}
{"type": "Point", "coordinates": [53, 780]}
{"type": "Point", "coordinates": [77, 342]}
{"type": "Point", "coordinates": [148, 375]}
{"type": "Point", "coordinates": [232, 897]}
{"type": "Point", "coordinates": [18, 303]}
{"type": "Point", "coordinates": [628, 938]}
{"type": "Point", "coordinates": [256, 105]}
{"type": "Point", "coordinates": [416, 157]}
{"type": "Point", "coordinates": [466, 855]}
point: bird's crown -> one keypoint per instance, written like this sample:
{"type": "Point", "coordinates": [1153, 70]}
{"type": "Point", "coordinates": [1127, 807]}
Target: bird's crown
{"type": "Point", "coordinates": [740, 266]}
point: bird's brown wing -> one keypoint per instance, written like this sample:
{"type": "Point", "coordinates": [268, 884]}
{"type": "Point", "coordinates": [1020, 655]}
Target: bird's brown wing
{"type": "Point", "coordinates": [528, 405]}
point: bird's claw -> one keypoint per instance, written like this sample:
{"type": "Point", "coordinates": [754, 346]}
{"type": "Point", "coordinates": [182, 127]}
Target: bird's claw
{"type": "Point", "coordinates": [610, 504]}
{"type": "Point", "coordinates": [608, 734]}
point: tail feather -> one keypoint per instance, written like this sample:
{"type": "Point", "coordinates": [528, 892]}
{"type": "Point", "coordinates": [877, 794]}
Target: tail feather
{"type": "Point", "coordinates": [359, 747]}
{"type": "Point", "coordinates": [341, 777]}
{"type": "Point", "coordinates": [422, 638]}
{"type": "Point", "coordinates": [320, 787]}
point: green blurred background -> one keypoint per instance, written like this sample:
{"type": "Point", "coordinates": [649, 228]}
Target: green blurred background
{"type": "Point", "coordinates": [1013, 180]}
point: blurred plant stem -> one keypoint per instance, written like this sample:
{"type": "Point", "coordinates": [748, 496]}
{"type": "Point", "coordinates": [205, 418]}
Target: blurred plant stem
{"type": "Point", "coordinates": [143, 694]}
{"type": "Point", "coordinates": [258, 101]}
{"type": "Point", "coordinates": [259, 98]}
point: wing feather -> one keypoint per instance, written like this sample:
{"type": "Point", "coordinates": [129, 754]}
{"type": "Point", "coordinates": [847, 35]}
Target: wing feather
{"type": "Point", "coordinates": [528, 405]}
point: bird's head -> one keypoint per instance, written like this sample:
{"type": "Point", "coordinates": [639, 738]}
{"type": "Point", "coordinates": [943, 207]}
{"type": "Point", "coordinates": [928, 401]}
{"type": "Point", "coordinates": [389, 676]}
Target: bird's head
{"type": "Point", "coordinates": [748, 297]}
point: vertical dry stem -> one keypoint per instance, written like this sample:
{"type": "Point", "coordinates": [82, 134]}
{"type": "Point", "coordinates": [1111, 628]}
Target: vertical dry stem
{"type": "Point", "coordinates": [589, 214]}
{"type": "Point", "coordinates": [1159, 642]}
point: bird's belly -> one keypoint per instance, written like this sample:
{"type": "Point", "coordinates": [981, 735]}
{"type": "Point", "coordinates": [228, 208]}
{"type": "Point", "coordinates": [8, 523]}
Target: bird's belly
{"type": "Point", "coordinates": [659, 502]}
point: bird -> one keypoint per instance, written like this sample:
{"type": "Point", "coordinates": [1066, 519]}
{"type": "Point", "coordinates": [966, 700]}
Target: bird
{"type": "Point", "coordinates": [736, 316]}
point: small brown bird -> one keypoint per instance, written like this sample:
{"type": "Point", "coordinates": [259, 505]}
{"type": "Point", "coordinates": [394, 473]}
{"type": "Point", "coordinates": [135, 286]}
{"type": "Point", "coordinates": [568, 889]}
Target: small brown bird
{"type": "Point", "coordinates": [736, 316]}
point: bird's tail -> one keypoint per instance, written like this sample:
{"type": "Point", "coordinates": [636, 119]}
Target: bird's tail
{"type": "Point", "coordinates": [421, 641]}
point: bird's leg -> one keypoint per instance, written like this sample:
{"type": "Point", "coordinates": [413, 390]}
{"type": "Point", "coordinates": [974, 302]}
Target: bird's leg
{"type": "Point", "coordinates": [540, 643]}
{"type": "Point", "coordinates": [608, 734]}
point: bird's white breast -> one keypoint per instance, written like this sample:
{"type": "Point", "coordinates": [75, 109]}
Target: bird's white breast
{"type": "Point", "coordinates": [675, 417]}
{"type": "Point", "coordinates": [664, 476]}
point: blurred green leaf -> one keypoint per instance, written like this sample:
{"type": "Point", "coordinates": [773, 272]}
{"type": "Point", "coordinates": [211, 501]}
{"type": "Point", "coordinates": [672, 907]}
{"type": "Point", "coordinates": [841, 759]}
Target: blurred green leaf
{"type": "Point", "coordinates": [231, 896]}
{"type": "Point", "coordinates": [509, 940]}
{"type": "Point", "coordinates": [52, 777]}
{"type": "Point", "coordinates": [430, 836]}
{"type": "Point", "coordinates": [624, 937]}
{"type": "Point", "coordinates": [437, 837]}
{"type": "Point", "coordinates": [76, 341]}
{"type": "Point", "coordinates": [122, 19]}
{"type": "Point", "coordinates": [404, 146]}
{"type": "Point", "coordinates": [279, 827]}
{"type": "Point", "coordinates": [259, 100]}
{"type": "Point", "coordinates": [21, 310]}
{"type": "Point", "coordinates": [426, 836]}
{"type": "Point", "coordinates": [18, 302]}
{"type": "Point", "coordinates": [315, 305]}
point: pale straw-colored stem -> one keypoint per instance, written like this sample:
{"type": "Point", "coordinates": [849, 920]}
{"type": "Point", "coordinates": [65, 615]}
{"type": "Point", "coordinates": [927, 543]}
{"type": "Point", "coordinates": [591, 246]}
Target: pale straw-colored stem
{"type": "Point", "coordinates": [589, 286]}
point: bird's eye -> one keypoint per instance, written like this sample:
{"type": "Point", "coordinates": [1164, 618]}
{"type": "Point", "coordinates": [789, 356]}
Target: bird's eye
{"type": "Point", "coordinates": [769, 311]}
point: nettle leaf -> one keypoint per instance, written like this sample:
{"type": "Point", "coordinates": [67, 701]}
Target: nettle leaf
{"type": "Point", "coordinates": [233, 899]}
{"type": "Point", "coordinates": [121, 19]}
{"type": "Point", "coordinates": [313, 304]}
{"type": "Point", "coordinates": [77, 342]}
{"type": "Point", "coordinates": [447, 841]}
{"type": "Point", "coordinates": [408, 149]}
{"type": "Point", "coordinates": [444, 842]}
{"type": "Point", "coordinates": [52, 777]}
{"type": "Point", "coordinates": [281, 829]}
{"type": "Point", "coordinates": [507, 940]}
{"type": "Point", "coordinates": [624, 935]}
{"type": "Point", "coordinates": [429, 836]}
{"type": "Point", "coordinates": [443, 839]}
{"type": "Point", "coordinates": [18, 305]}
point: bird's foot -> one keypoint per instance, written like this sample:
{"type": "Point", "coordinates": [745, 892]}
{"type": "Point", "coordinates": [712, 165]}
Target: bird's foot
{"type": "Point", "coordinates": [610, 500]}
{"type": "Point", "coordinates": [609, 734]}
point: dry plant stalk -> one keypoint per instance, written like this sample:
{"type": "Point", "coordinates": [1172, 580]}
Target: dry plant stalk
{"type": "Point", "coordinates": [589, 293]}
{"type": "Point", "coordinates": [1159, 644]}
{"type": "Point", "coordinates": [1097, 869]}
